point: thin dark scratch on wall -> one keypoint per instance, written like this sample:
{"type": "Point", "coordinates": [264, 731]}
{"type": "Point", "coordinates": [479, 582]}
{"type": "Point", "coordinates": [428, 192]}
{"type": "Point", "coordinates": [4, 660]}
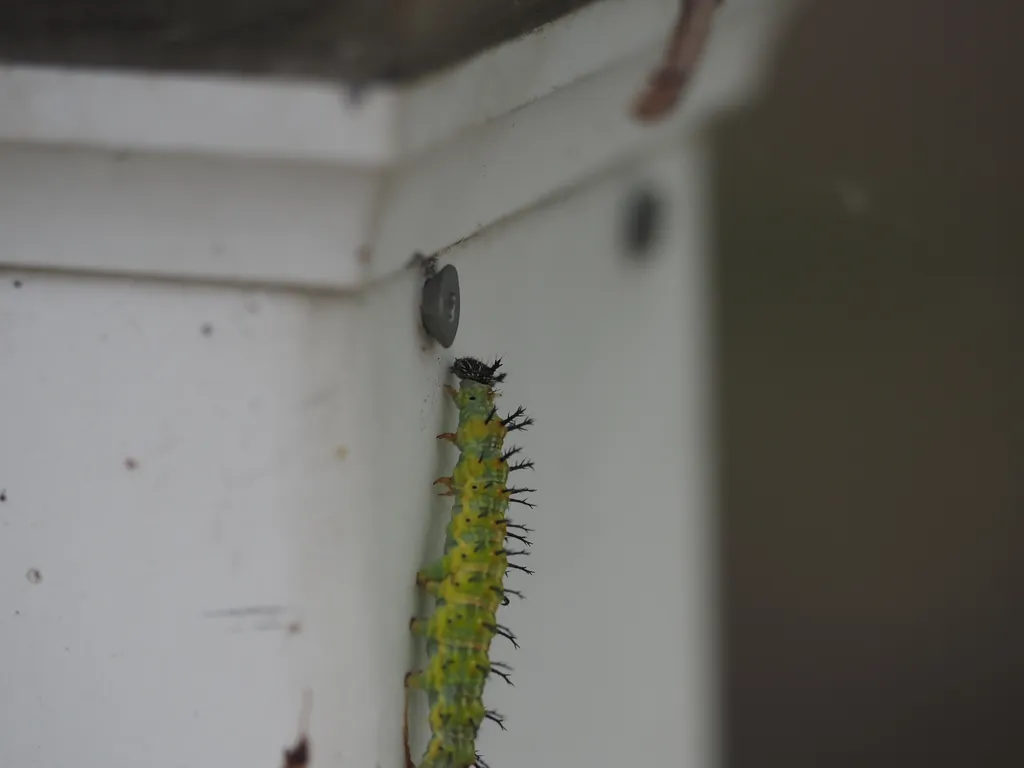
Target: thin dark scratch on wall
{"type": "Point", "coordinates": [246, 611]}
{"type": "Point", "coordinates": [300, 755]}
{"type": "Point", "coordinates": [258, 618]}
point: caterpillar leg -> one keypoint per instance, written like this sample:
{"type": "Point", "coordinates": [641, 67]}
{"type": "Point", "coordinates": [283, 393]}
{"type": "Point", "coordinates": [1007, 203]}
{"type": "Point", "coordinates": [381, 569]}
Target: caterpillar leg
{"type": "Point", "coordinates": [418, 626]}
{"type": "Point", "coordinates": [448, 483]}
{"type": "Point", "coordinates": [430, 575]}
{"type": "Point", "coordinates": [449, 436]}
{"type": "Point", "coordinates": [452, 392]}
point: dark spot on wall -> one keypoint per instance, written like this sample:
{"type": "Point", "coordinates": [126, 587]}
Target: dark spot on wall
{"type": "Point", "coordinates": [3, 495]}
{"type": "Point", "coordinates": [131, 464]}
{"type": "Point", "coordinates": [206, 329]}
{"type": "Point", "coordinates": [295, 628]}
{"type": "Point", "coordinates": [642, 221]}
{"type": "Point", "coordinates": [298, 756]}
{"type": "Point", "coordinates": [16, 283]}
{"type": "Point", "coordinates": [34, 576]}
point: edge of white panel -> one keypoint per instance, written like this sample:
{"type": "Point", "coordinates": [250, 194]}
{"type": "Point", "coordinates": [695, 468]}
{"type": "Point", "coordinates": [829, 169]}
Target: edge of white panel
{"type": "Point", "coordinates": [302, 184]}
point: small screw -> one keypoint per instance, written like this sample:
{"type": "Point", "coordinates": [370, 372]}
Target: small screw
{"type": "Point", "coordinates": [439, 308]}
{"type": "Point", "coordinates": [642, 222]}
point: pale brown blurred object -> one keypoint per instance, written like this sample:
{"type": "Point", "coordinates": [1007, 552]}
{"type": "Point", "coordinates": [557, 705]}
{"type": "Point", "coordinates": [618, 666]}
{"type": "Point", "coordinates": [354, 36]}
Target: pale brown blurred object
{"type": "Point", "coordinates": [667, 83]}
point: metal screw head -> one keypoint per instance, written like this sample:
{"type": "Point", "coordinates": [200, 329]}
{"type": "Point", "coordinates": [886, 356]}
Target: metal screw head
{"type": "Point", "coordinates": [439, 309]}
{"type": "Point", "coordinates": [642, 222]}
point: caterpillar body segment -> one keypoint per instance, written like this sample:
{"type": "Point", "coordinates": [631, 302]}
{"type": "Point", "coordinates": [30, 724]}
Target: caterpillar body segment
{"type": "Point", "coordinates": [473, 477]}
{"type": "Point", "coordinates": [468, 580]}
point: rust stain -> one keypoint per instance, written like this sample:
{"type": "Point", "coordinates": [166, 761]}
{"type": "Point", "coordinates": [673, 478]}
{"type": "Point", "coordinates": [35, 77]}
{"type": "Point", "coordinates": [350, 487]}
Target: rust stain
{"type": "Point", "coordinates": [341, 452]}
{"type": "Point", "coordinates": [299, 755]}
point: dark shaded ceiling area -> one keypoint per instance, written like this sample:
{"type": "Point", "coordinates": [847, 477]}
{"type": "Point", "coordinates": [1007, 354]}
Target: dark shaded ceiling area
{"type": "Point", "coordinates": [356, 41]}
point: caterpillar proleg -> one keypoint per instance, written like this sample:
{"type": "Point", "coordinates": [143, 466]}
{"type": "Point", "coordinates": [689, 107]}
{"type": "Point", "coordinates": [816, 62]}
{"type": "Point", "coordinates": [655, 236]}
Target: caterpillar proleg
{"type": "Point", "coordinates": [468, 581]}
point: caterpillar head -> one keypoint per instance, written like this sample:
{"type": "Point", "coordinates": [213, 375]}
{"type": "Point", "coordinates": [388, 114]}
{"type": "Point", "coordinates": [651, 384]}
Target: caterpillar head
{"type": "Point", "coordinates": [471, 369]}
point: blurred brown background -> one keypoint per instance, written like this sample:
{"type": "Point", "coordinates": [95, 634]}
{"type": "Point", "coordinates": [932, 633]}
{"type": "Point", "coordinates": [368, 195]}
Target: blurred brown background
{"type": "Point", "coordinates": [870, 234]}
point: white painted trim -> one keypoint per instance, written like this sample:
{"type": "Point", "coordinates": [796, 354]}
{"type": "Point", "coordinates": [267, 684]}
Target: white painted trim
{"type": "Point", "coordinates": [220, 219]}
{"type": "Point", "coordinates": [286, 183]}
{"type": "Point", "coordinates": [145, 112]}
{"type": "Point", "coordinates": [276, 119]}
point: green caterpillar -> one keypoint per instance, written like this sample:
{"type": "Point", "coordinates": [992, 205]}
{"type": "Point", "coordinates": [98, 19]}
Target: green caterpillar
{"type": "Point", "coordinates": [468, 582]}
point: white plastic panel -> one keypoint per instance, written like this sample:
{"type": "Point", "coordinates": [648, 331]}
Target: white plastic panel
{"type": "Point", "coordinates": [616, 666]}
{"type": "Point", "coordinates": [194, 114]}
{"type": "Point", "coordinates": [280, 449]}
{"type": "Point", "coordinates": [183, 466]}
{"type": "Point", "coordinates": [296, 184]}
{"type": "Point", "coordinates": [217, 218]}
{"type": "Point", "coordinates": [328, 123]}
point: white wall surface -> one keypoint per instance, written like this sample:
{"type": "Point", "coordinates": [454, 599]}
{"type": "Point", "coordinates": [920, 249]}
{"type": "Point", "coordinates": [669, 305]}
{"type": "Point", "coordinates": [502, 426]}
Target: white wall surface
{"type": "Point", "coordinates": [617, 665]}
{"type": "Point", "coordinates": [246, 494]}
{"type": "Point", "coordinates": [282, 448]}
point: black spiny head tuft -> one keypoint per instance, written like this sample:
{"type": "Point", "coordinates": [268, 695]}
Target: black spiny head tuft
{"type": "Point", "coordinates": [478, 371]}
